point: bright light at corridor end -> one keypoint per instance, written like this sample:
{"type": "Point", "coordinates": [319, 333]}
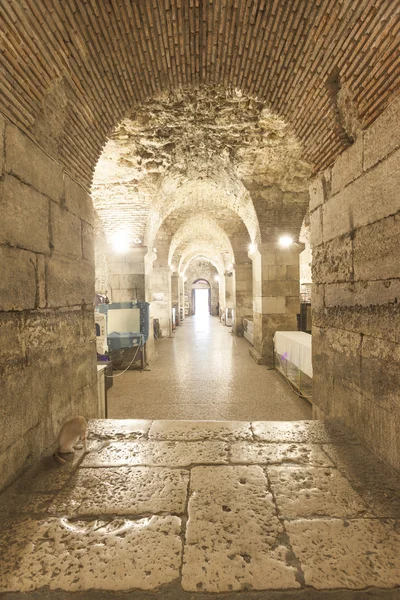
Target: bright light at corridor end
{"type": "Point", "coordinates": [285, 241]}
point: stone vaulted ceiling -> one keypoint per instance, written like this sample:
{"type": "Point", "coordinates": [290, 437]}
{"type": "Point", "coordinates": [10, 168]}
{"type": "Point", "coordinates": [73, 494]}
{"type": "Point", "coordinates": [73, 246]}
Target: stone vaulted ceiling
{"type": "Point", "coordinates": [197, 105]}
{"type": "Point", "coordinates": [73, 70]}
{"type": "Point", "coordinates": [192, 152]}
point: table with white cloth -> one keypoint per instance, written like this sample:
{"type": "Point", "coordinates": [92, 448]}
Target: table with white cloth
{"type": "Point", "coordinates": [294, 356]}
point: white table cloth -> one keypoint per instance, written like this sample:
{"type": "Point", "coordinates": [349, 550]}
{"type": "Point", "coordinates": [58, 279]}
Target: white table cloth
{"type": "Point", "coordinates": [295, 346]}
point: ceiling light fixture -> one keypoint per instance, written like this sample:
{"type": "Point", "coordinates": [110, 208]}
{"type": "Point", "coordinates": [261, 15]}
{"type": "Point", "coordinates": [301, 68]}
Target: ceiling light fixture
{"type": "Point", "coordinates": [285, 241]}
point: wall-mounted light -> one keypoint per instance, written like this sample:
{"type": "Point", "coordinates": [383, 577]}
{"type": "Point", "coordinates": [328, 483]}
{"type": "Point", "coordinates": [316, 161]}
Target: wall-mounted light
{"type": "Point", "coordinates": [172, 268]}
{"type": "Point", "coordinates": [285, 241]}
{"type": "Point", "coordinates": [252, 248]}
{"type": "Point", "coordinates": [155, 250]}
{"type": "Point", "coordinates": [216, 278]}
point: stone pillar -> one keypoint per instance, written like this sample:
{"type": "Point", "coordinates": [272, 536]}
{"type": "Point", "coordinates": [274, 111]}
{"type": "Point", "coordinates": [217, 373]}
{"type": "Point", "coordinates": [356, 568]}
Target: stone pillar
{"type": "Point", "coordinates": [149, 258]}
{"type": "Point", "coordinates": [175, 293]}
{"type": "Point", "coordinates": [222, 293]}
{"type": "Point", "coordinates": [126, 275]}
{"type": "Point", "coordinates": [182, 297]}
{"type": "Point", "coordinates": [161, 286]}
{"type": "Point", "coordinates": [243, 297]}
{"type": "Point", "coordinates": [276, 296]}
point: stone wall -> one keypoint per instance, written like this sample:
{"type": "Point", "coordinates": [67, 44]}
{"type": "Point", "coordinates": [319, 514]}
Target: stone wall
{"type": "Point", "coordinates": [355, 233]}
{"type": "Point", "coordinates": [126, 277]}
{"type": "Point", "coordinates": [47, 336]}
{"type": "Point", "coordinates": [243, 295]}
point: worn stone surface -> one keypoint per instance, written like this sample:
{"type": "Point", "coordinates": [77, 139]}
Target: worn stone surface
{"type": "Point", "coordinates": [375, 482]}
{"type": "Point", "coordinates": [348, 166]}
{"type": "Point", "coordinates": [275, 453]}
{"type": "Point", "coordinates": [221, 530]}
{"type": "Point", "coordinates": [123, 491]}
{"type": "Point", "coordinates": [200, 430]}
{"type": "Point", "coordinates": [78, 200]}
{"type": "Point", "coordinates": [383, 136]}
{"type": "Point", "coordinates": [118, 429]}
{"type": "Point", "coordinates": [233, 538]}
{"type": "Point", "coordinates": [115, 554]}
{"type": "Point", "coordinates": [177, 454]}
{"type": "Point", "coordinates": [316, 432]}
{"type": "Point", "coordinates": [24, 216]}
{"type": "Point", "coordinates": [18, 279]}
{"type": "Point", "coordinates": [367, 200]}
{"type": "Point", "coordinates": [69, 282]}
{"type": "Point", "coordinates": [324, 547]}
{"type": "Point", "coordinates": [66, 232]}
{"type": "Point", "coordinates": [28, 162]}
{"type": "Point", "coordinates": [313, 491]}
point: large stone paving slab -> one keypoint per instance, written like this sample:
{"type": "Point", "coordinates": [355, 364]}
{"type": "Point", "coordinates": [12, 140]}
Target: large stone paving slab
{"type": "Point", "coordinates": [119, 554]}
{"type": "Point", "coordinates": [315, 432]}
{"type": "Point", "coordinates": [376, 483]}
{"type": "Point", "coordinates": [123, 491]}
{"type": "Point", "coordinates": [200, 430]}
{"type": "Point", "coordinates": [172, 454]}
{"type": "Point", "coordinates": [234, 540]}
{"type": "Point", "coordinates": [118, 429]}
{"type": "Point", "coordinates": [264, 453]}
{"type": "Point", "coordinates": [314, 491]}
{"type": "Point", "coordinates": [353, 554]}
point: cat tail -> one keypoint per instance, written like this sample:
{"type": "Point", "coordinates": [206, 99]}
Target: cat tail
{"type": "Point", "coordinates": [59, 458]}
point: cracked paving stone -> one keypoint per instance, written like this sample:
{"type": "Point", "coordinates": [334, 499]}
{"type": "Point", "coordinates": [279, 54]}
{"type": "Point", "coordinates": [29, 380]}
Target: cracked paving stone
{"type": "Point", "coordinates": [352, 554]}
{"type": "Point", "coordinates": [234, 540]}
{"type": "Point", "coordinates": [172, 454]}
{"type": "Point", "coordinates": [313, 491]}
{"type": "Point", "coordinates": [118, 429]}
{"type": "Point", "coordinates": [315, 432]}
{"type": "Point", "coordinates": [119, 554]}
{"type": "Point", "coordinates": [127, 490]}
{"type": "Point", "coordinates": [200, 430]}
{"type": "Point", "coordinates": [264, 453]}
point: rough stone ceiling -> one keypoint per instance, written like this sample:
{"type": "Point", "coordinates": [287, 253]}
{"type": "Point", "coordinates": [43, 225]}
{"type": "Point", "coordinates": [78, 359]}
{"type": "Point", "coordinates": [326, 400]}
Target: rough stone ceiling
{"type": "Point", "coordinates": [73, 70]}
{"type": "Point", "coordinates": [193, 151]}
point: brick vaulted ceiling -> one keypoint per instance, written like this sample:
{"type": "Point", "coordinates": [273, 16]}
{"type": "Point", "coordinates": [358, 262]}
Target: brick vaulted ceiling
{"type": "Point", "coordinates": [72, 70]}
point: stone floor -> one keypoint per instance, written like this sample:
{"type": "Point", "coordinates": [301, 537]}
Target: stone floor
{"type": "Point", "coordinates": [204, 372]}
{"type": "Point", "coordinates": [201, 510]}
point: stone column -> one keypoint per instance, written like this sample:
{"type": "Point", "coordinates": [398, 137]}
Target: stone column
{"type": "Point", "coordinates": [175, 293]}
{"type": "Point", "coordinates": [161, 286]}
{"type": "Point", "coordinates": [126, 275]}
{"type": "Point", "coordinates": [222, 294]}
{"type": "Point", "coordinates": [276, 296]}
{"type": "Point", "coordinates": [243, 297]}
{"type": "Point", "coordinates": [182, 297]}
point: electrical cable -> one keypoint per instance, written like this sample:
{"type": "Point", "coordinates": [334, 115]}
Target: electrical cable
{"type": "Point", "coordinates": [133, 359]}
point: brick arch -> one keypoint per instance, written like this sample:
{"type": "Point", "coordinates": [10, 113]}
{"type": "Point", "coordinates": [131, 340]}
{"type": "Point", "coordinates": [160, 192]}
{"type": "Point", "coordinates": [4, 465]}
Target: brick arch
{"type": "Point", "coordinates": [76, 69]}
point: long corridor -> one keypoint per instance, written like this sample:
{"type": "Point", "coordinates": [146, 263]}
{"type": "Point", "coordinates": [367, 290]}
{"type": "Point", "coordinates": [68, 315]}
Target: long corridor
{"type": "Point", "coordinates": [206, 373]}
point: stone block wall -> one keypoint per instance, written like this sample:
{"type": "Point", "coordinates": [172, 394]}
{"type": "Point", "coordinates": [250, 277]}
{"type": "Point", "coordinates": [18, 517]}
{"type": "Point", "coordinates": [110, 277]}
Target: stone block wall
{"type": "Point", "coordinates": [126, 277]}
{"type": "Point", "coordinates": [47, 336]}
{"type": "Point", "coordinates": [355, 234]}
{"type": "Point", "coordinates": [243, 295]}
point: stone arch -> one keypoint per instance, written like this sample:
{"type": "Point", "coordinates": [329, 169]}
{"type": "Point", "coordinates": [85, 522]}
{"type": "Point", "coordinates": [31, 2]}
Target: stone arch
{"type": "Point", "coordinates": [201, 227]}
